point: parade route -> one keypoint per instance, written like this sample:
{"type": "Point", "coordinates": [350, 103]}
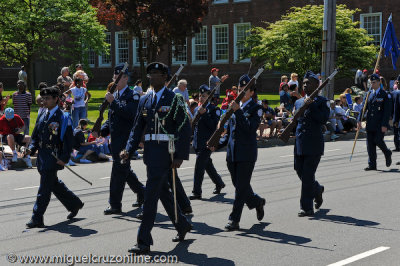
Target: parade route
{"type": "Point", "coordinates": [358, 223]}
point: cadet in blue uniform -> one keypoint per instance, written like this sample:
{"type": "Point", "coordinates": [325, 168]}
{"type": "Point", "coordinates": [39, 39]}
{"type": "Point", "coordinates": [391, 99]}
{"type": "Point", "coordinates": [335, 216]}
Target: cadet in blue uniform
{"type": "Point", "coordinates": [241, 154]}
{"type": "Point", "coordinates": [396, 115]}
{"type": "Point", "coordinates": [52, 135]}
{"type": "Point", "coordinates": [202, 132]}
{"type": "Point", "coordinates": [309, 146]}
{"type": "Point", "coordinates": [121, 116]}
{"type": "Point", "coordinates": [162, 116]}
{"type": "Point", "coordinates": [378, 113]}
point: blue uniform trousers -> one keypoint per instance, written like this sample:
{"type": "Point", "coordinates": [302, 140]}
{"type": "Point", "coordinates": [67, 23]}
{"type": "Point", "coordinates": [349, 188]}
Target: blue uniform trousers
{"type": "Point", "coordinates": [181, 197]}
{"type": "Point", "coordinates": [120, 175]}
{"type": "Point", "coordinates": [241, 173]}
{"type": "Point", "coordinates": [49, 182]}
{"type": "Point", "coordinates": [157, 187]}
{"type": "Point", "coordinates": [306, 166]}
{"type": "Point", "coordinates": [396, 137]}
{"type": "Point", "coordinates": [375, 138]}
{"type": "Point", "coordinates": [204, 164]}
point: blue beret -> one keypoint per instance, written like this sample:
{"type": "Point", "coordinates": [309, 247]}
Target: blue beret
{"type": "Point", "coordinates": [118, 68]}
{"type": "Point", "coordinates": [204, 88]}
{"type": "Point", "coordinates": [375, 77]}
{"type": "Point", "coordinates": [51, 91]}
{"type": "Point", "coordinates": [311, 74]}
{"type": "Point", "coordinates": [244, 80]}
{"type": "Point", "coordinates": [158, 66]}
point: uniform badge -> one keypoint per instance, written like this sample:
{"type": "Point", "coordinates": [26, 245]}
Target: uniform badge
{"type": "Point", "coordinates": [218, 112]}
{"type": "Point", "coordinates": [123, 102]}
{"type": "Point", "coordinates": [260, 112]}
{"type": "Point", "coordinates": [53, 127]}
{"type": "Point", "coordinates": [136, 97]}
{"type": "Point", "coordinates": [144, 112]}
{"type": "Point", "coordinates": [379, 99]}
{"type": "Point", "coordinates": [164, 108]}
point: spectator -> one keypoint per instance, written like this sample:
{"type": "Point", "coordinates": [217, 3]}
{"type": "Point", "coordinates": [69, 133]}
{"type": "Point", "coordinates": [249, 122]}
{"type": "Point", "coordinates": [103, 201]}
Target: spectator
{"type": "Point", "coordinates": [357, 80]}
{"type": "Point", "coordinates": [364, 80]}
{"type": "Point", "coordinates": [358, 106]}
{"type": "Point", "coordinates": [65, 79]}
{"type": "Point", "coordinates": [101, 142]}
{"type": "Point", "coordinates": [85, 148]}
{"type": "Point", "coordinates": [39, 102]}
{"type": "Point", "coordinates": [284, 78]}
{"type": "Point", "coordinates": [78, 74]}
{"type": "Point", "coordinates": [284, 96]}
{"type": "Point", "coordinates": [233, 90]}
{"type": "Point", "coordinates": [283, 115]}
{"type": "Point", "coordinates": [79, 70]}
{"type": "Point", "coordinates": [227, 101]}
{"type": "Point", "coordinates": [294, 94]}
{"type": "Point", "coordinates": [396, 83]}
{"type": "Point", "coordinates": [138, 87]}
{"type": "Point", "coordinates": [81, 96]}
{"type": "Point", "coordinates": [215, 82]}
{"type": "Point", "coordinates": [268, 121]}
{"type": "Point", "coordinates": [195, 97]}
{"type": "Point", "coordinates": [23, 76]}
{"type": "Point", "coordinates": [11, 127]}
{"type": "Point", "coordinates": [332, 123]}
{"type": "Point", "coordinates": [22, 104]}
{"type": "Point", "coordinates": [3, 100]}
{"type": "Point", "coordinates": [343, 119]}
{"type": "Point", "coordinates": [192, 108]}
{"type": "Point", "coordinates": [182, 90]}
{"type": "Point", "coordinates": [294, 80]}
{"type": "Point", "coordinates": [3, 166]}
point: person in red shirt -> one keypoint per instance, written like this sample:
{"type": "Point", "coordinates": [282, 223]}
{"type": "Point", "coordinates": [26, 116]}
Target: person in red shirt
{"type": "Point", "coordinates": [11, 125]}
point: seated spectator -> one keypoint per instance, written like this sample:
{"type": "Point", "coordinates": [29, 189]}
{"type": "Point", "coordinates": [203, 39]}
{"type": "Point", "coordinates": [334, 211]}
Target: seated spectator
{"type": "Point", "coordinates": [282, 114]}
{"type": "Point", "coordinates": [192, 109]}
{"type": "Point", "coordinates": [357, 106]}
{"type": "Point", "coordinates": [3, 166]}
{"type": "Point", "coordinates": [226, 102]}
{"type": "Point", "coordinates": [85, 148]}
{"type": "Point", "coordinates": [11, 127]}
{"type": "Point", "coordinates": [284, 96]}
{"type": "Point", "coordinates": [332, 124]}
{"type": "Point", "coordinates": [343, 119]}
{"type": "Point", "coordinates": [3, 100]}
{"type": "Point", "coordinates": [101, 142]}
{"type": "Point", "coordinates": [138, 87]}
{"type": "Point", "coordinates": [268, 121]}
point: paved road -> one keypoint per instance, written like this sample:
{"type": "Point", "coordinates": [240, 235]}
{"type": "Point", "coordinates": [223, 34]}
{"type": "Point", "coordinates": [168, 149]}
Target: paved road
{"type": "Point", "coordinates": [360, 214]}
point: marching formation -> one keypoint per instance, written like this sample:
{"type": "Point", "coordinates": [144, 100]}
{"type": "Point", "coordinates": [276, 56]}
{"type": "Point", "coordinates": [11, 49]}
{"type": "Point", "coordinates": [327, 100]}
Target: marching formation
{"type": "Point", "coordinates": [159, 123]}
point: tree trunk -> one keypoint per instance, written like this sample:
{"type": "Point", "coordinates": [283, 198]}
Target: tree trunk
{"type": "Point", "coordinates": [31, 77]}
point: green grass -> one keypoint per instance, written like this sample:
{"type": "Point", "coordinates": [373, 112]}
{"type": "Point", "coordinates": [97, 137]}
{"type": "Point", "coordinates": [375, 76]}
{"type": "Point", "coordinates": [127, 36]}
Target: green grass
{"type": "Point", "coordinates": [98, 97]}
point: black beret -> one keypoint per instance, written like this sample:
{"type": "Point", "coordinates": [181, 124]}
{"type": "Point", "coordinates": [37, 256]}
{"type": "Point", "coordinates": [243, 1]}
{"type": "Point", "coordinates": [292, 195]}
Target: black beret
{"type": "Point", "coordinates": [118, 68]}
{"type": "Point", "coordinates": [375, 77]}
{"type": "Point", "coordinates": [311, 74]}
{"type": "Point", "coordinates": [158, 66]}
{"type": "Point", "coordinates": [244, 80]}
{"type": "Point", "coordinates": [204, 88]}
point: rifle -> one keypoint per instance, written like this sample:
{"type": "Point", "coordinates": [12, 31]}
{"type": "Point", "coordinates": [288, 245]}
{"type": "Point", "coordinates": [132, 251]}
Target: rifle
{"type": "Point", "coordinates": [175, 75]}
{"type": "Point", "coordinates": [97, 125]}
{"type": "Point", "coordinates": [196, 118]}
{"type": "Point", "coordinates": [214, 140]}
{"type": "Point", "coordinates": [286, 132]}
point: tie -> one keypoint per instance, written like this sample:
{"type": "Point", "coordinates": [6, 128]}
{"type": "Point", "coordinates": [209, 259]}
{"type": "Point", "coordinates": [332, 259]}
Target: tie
{"type": "Point", "coordinates": [46, 118]}
{"type": "Point", "coordinates": [154, 101]}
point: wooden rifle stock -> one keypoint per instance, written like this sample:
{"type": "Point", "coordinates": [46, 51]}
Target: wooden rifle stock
{"type": "Point", "coordinates": [286, 132]}
{"type": "Point", "coordinates": [196, 118]}
{"type": "Point", "coordinates": [175, 75]}
{"type": "Point", "coordinates": [214, 140]}
{"type": "Point", "coordinates": [97, 125]}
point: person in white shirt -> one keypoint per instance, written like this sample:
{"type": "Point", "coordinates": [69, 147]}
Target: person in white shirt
{"type": "Point", "coordinates": [182, 89]}
{"type": "Point", "coordinates": [81, 96]}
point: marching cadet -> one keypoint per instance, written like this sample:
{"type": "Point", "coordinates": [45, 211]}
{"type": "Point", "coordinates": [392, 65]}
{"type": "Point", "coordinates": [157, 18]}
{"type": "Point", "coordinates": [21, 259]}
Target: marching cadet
{"type": "Point", "coordinates": [378, 113]}
{"type": "Point", "coordinates": [241, 154]}
{"type": "Point", "coordinates": [396, 115]}
{"type": "Point", "coordinates": [52, 137]}
{"type": "Point", "coordinates": [163, 120]}
{"type": "Point", "coordinates": [202, 132]}
{"type": "Point", "coordinates": [121, 116]}
{"type": "Point", "coordinates": [309, 145]}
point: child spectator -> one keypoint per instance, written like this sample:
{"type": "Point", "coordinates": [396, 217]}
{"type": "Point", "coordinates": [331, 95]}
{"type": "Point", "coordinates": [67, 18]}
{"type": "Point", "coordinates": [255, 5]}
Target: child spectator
{"type": "Point", "coordinates": [268, 121]}
{"type": "Point", "coordinates": [284, 96]}
{"type": "Point", "coordinates": [358, 106]}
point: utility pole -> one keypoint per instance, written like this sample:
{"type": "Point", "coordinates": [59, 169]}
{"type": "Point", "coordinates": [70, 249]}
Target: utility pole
{"type": "Point", "coordinates": [329, 46]}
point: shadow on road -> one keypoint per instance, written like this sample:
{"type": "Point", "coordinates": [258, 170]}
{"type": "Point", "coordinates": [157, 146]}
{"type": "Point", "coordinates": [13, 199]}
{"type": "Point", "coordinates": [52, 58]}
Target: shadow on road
{"type": "Point", "coordinates": [220, 198]}
{"type": "Point", "coordinates": [322, 215]}
{"type": "Point", "coordinates": [67, 227]}
{"type": "Point", "coordinates": [184, 256]}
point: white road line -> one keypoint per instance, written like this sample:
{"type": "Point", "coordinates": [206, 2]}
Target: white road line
{"type": "Point", "coordinates": [107, 177]}
{"type": "Point", "coordinates": [185, 168]}
{"type": "Point", "coordinates": [21, 188]}
{"type": "Point", "coordinates": [359, 256]}
{"type": "Point", "coordinates": [291, 155]}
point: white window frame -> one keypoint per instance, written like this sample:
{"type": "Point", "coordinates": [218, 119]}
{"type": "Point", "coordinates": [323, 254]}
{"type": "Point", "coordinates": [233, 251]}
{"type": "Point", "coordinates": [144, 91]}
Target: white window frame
{"type": "Point", "coordinates": [220, 2]}
{"type": "Point", "coordinates": [214, 43]}
{"type": "Point", "coordinates": [90, 50]}
{"type": "Point", "coordinates": [199, 62]}
{"type": "Point", "coordinates": [363, 16]}
{"type": "Point", "coordinates": [136, 61]}
{"type": "Point", "coordinates": [177, 62]}
{"type": "Point", "coordinates": [116, 47]}
{"type": "Point", "coordinates": [235, 48]}
{"type": "Point", "coordinates": [101, 57]}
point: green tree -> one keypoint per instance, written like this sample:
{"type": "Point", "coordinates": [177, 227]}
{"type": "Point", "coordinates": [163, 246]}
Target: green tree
{"type": "Point", "coordinates": [294, 43]}
{"type": "Point", "coordinates": [34, 30]}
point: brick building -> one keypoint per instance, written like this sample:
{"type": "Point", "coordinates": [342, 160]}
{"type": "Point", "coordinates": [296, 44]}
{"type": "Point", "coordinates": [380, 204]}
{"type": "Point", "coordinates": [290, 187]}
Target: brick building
{"type": "Point", "coordinates": [217, 45]}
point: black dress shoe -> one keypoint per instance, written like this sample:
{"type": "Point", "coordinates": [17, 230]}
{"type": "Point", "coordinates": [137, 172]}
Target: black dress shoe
{"type": "Point", "coordinates": [303, 213]}
{"type": "Point", "coordinates": [218, 189]}
{"type": "Point", "coordinates": [181, 236]}
{"type": "Point", "coordinates": [232, 226]}
{"type": "Point", "coordinates": [139, 249]}
{"type": "Point", "coordinates": [74, 212]}
{"type": "Point", "coordinates": [318, 198]}
{"type": "Point", "coordinates": [388, 159]}
{"type": "Point", "coordinates": [260, 210]}
{"type": "Point", "coordinates": [139, 202]}
{"type": "Point", "coordinates": [111, 210]}
{"type": "Point", "coordinates": [187, 211]}
{"type": "Point", "coordinates": [369, 168]}
{"type": "Point", "coordinates": [396, 150]}
{"type": "Point", "coordinates": [34, 224]}
{"type": "Point", "coordinates": [195, 196]}
{"type": "Point", "coordinates": [140, 215]}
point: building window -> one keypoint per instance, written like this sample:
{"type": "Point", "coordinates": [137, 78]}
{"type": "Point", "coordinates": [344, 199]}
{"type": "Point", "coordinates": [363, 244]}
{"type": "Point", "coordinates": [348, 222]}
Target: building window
{"type": "Point", "coordinates": [372, 22]}
{"type": "Point", "coordinates": [220, 1]}
{"type": "Point", "coordinates": [181, 56]}
{"type": "Point", "coordinates": [199, 47]}
{"type": "Point", "coordinates": [136, 57]}
{"type": "Point", "coordinates": [105, 59]}
{"type": "Point", "coordinates": [241, 31]}
{"type": "Point", "coordinates": [121, 47]}
{"type": "Point", "coordinates": [220, 43]}
{"type": "Point", "coordinates": [91, 57]}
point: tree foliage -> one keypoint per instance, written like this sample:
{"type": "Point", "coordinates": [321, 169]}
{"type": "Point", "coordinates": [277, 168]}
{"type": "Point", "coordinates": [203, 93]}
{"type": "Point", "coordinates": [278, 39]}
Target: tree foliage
{"type": "Point", "coordinates": [294, 43]}
{"type": "Point", "coordinates": [31, 30]}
